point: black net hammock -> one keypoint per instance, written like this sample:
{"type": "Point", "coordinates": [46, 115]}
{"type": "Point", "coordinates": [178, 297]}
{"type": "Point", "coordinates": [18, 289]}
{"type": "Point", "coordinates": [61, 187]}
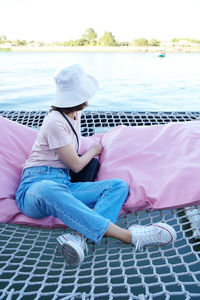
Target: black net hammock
{"type": "Point", "coordinates": [31, 266]}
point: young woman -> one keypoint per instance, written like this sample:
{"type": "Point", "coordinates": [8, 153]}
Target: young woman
{"type": "Point", "coordinates": [90, 208]}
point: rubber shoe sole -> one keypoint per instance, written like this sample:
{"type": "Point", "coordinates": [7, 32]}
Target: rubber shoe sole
{"type": "Point", "coordinates": [73, 253]}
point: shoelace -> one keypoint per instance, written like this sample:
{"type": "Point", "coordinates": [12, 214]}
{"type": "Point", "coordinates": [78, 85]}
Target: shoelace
{"type": "Point", "coordinates": [140, 241]}
{"type": "Point", "coordinates": [148, 237]}
{"type": "Point", "coordinates": [139, 247]}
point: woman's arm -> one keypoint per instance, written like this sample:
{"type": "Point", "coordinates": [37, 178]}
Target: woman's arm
{"type": "Point", "coordinates": [69, 156]}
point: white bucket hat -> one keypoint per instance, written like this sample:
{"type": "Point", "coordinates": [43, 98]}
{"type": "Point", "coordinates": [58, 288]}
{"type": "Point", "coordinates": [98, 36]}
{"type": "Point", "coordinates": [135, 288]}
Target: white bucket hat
{"type": "Point", "coordinates": [73, 86]}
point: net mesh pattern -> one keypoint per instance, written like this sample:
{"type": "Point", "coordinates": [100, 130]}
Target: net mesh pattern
{"type": "Point", "coordinates": [31, 266]}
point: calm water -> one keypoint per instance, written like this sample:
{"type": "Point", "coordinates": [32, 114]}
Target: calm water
{"type": "Point", "coordinates": [128, 81]}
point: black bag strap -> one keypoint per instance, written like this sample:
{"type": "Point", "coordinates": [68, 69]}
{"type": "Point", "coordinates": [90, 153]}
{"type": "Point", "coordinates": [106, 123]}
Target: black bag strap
{"type": "Point", "coordinates": [72, 127]}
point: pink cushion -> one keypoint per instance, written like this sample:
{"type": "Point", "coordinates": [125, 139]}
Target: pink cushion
{"type": "Point", "coordinates": [160, 163]}
{"type": "Point", "coordinates": [15, 145]}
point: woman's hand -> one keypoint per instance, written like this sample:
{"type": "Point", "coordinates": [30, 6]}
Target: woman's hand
{"type": "Point", "coordinates": [97, 148]}
{"type": "Point", "coordinates": [69, 156]}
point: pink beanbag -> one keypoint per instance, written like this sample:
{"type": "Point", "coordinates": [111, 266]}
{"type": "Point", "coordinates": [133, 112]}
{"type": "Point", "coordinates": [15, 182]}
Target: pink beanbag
{"type": "Point", "coordinates": [15, 145]}
{"type": "Point", "coordinates": [160, 163]}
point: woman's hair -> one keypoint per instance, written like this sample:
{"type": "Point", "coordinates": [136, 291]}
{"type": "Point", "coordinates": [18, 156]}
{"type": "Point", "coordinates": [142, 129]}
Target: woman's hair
{"type": "Point", "coordinates": [68, 110]}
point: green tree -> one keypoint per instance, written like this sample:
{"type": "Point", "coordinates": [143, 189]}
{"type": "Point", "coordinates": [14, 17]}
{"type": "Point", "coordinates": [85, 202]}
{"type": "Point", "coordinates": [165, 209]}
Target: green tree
{"type": "Point", "coordinates": [175, 40]}
{"type": "Point", "coordinates": [154, 43]}
{"type": "Point", "coordinates": [141, 42]}
{"type": "Point", "coordinates": [69, 43]}
{"type": "Point", "coordinates": [80, 42]}
{"type": "Point", "coordinates": [3, 39]}
{"type": "Point", "coordinates": [194, 41]}
{"type": "Point", "coordinates": [23, 43]}
{"type": "Point", "coordinates": [90, 36]}
{"type": "Point", "coordinates": [107, 39]}
{"type": "Point", "coordinates": [19, 43]}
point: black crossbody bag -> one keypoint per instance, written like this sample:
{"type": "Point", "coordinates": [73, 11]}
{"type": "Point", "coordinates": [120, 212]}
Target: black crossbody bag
{"type": "Point", "coordinates": [89, 172]}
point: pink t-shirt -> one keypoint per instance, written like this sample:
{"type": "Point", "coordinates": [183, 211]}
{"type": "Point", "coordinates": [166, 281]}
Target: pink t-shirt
{"type": "Point", "coordinates": [55, 132]}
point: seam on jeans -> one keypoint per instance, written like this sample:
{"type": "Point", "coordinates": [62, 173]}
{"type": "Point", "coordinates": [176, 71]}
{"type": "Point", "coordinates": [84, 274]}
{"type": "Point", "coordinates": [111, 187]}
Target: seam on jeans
{"type": "Point", "coordinates": [99, 205]}
{"type": "Point", "coordinates": [103, 231]}
{"type": "Point", "coordinates": [69, 217]}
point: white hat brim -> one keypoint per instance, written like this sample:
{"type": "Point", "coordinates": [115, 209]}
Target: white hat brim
{"type": "Point", "coordinates": [87, 88]}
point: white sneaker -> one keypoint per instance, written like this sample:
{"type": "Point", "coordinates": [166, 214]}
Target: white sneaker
{"type": "Point", "coordinates": [159, 234]}
{"type": "Point", "coordinates": [72, 247]}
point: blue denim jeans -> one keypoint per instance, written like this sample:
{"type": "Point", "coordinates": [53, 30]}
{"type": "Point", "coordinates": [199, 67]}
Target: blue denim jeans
{"type": "Point", "coordinates": [46, 191]}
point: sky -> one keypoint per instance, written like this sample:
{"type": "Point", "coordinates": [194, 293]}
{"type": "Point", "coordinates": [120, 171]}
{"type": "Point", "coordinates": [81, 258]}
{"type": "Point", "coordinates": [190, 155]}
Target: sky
{"type": "Point", "coordinates": [62, 20]}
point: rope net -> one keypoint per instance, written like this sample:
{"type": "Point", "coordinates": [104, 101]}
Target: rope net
{"type": "Point", "coordinates": [31, 266]}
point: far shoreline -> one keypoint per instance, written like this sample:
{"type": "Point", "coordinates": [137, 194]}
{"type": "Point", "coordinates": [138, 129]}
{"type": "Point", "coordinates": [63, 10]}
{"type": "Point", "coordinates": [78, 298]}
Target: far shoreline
{"type": "Point", "coordinates": [132, 49]}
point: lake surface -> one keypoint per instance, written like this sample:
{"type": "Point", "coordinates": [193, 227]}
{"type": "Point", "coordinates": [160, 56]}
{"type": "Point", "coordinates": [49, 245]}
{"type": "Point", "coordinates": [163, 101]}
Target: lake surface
{"type": "Point", "coordinates": [128, 81]}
